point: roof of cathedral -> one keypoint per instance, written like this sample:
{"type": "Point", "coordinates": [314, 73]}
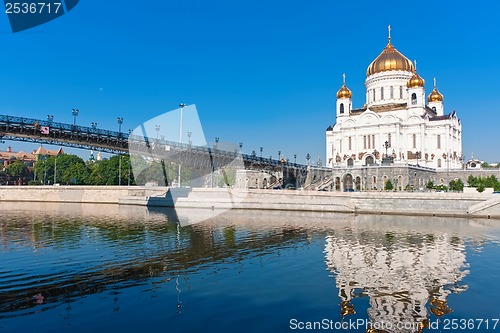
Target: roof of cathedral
{"type": "Point", "coordinates": [390, 60]}
{"type": "Point", "coordinates": [388, 107]}
{"type": "Point", "coordinates": [415, 81]}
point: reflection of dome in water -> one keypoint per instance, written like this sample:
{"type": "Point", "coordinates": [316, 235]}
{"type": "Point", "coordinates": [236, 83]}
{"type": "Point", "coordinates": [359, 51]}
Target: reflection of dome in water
{"type": "Point", "coordinates": [399, 276]}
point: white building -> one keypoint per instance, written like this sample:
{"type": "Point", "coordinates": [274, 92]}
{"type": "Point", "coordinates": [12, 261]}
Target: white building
{"type": "Point", "coordinates": [397, 118]}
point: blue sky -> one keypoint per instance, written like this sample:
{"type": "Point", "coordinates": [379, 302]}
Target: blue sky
{"type": "Point", "coordinates": [264, 73]}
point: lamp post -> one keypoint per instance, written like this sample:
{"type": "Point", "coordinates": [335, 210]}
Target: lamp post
{"type": "Point", "coordinates": [294, 158]}
{"type": "Point", "coordinates": [241, 146]}
{"type": "Point", "coordinates": [279, 154]}
{"type": "Point", "coordinates": [44, 173]}
{"type": "Point", "coordinates": [216, 142]}
{"type": "Point", "coordinates": [387, 145]}
{"type": "Point", "coordinates": [50, 118]}
{"type": "Point", "coordinates": [120, 171]}
{"type": "Point", "coordinates": [261, 149]}
{"type": "Point", "coordinates": [181, 106]}
{"type": "Point", "coordinates": [55, 170]}
{"type": "Point", "coordinates": [94, 125]}
{"type": "Point", "coordinates": [157, 128]}
{"type": "Point", "coordinates": [308, 157]}
{"type": "Point", "coordinates": [253, 154]}
{"type": "Point", "coordinates": [120, 122]}
{"type": "Point", "coordinates": [75, 113]}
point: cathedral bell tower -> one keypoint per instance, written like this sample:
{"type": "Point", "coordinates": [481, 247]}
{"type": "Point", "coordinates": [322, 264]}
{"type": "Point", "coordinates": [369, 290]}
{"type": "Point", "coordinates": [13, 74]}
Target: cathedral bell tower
{"type": "Point", "coordinates": [344, 101]}
{"type": "Point", "coordinates": [416, 93]}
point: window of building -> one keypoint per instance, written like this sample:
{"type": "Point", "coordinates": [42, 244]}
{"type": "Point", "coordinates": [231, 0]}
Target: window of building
{"type": "Point", "coordinates": [364, 141]}
{"type": "Point", "coordinates": [434, 108]}
{"type": "Point", "coordinates": [391, 92]}
{"type": "Point", "coordinates": [401, 92]}
{"type": "Point", "coordinates": [373, 140]}
{"type": "Point", "coordinates": [340, 144]}
{"type": "Point", "coordinates": [341, 107]}
{"type": "Point", "coordinates": [439, 141]}
{"type": "Point", "coordinates": [413, 98]}
{"type": "Point", "coordinates": [439, 163]}
{"type": "Point", "coordinates": [350, 143]}
{"type": "Point", "coordinates": [373, 95]}
{"type": "Point", "coordinates": [414, 137]}
{"type": "Point", "coordinates": [382, 93]}
{"type": "Point", "coordinates": [389, 138]}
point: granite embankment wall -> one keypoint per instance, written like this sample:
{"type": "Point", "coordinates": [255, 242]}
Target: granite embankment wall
{"type": "Point", "coordinates": [396, 203]}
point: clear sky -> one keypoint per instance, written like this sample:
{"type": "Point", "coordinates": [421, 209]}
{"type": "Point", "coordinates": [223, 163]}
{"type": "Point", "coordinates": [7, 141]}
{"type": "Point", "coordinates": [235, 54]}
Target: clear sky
{"type": "Point", "coordinates": [264, 73]}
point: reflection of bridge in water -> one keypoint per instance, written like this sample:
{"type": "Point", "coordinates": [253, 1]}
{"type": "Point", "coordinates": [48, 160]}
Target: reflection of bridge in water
{"type": "Point", "coordinates": [204, 159]}
{"type": "Point", "coordinates": [183, 250]}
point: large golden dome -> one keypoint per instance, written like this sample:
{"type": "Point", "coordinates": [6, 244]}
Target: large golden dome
{"type": "Point", "coordinates": [344, 92]}
{"type": "Point", "coordinates": [390, 60]}
{"type": "Point", "coordinates": [415, 81]}
{"type": "Point", "coordinates": [435, 95]}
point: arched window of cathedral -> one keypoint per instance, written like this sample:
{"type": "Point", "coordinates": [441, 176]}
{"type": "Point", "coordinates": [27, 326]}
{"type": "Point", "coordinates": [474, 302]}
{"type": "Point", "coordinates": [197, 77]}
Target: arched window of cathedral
{"type": "Point", "coordinates": [434, 108]}
{"type": "Point", "coordinates": [389, 139]}
{"type": "Point", "coordinates": [439, 163]}
{"type": "Point", "coordinates": [413, 98]}
{"type": "Point", "coordinates": [439, 141]}
{"type": "Point", "coordinates": [364, 141]}
{"type": "Point", "coordinates": [374, 95]}
{"type": "Point", "coordinates": [341, 107]}
{"type": "Point", "coordinates": [350, 143]}
{"type": "Point", "coordinates": [382, 93]}
{"type": "Point", "coordinates": [401, 92]}
{"type": "Point", "coordinates": [350, 162]}
{"type": "Point", "coordinates": [414, 141]}
{"type": "Point", "coordinates": [392, 93]}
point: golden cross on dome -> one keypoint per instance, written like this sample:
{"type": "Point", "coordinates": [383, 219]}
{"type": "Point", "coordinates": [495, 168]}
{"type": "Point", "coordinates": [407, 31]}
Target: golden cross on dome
{"type": "Point", "coordinates": [389, 28]}
{"type": "Point", "coordinates": [343, 78]}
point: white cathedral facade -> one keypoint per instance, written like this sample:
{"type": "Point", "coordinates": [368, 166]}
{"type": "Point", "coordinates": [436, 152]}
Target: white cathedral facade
{"type": "Point", "coordinates": [397, 119]}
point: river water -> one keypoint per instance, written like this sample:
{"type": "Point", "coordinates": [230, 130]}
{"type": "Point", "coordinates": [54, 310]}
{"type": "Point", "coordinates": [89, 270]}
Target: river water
{"type": "Point", "coordinates": [109, 268]}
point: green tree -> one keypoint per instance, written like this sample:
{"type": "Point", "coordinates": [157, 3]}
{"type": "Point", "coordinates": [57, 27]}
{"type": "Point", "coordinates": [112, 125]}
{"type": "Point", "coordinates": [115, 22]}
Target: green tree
{"type": "Point", "coordinates": [480, 189]}
{"type": "Point", "coordinates": [456, 185]}
{"type": "Point", "coordinates": [17, 169]}
{"type": "Point", "coordinates": [485, 165]}
{"type": "Point", "coordinates": [430, 185]}
{"type": "Point", "coordinates": [388, 185]}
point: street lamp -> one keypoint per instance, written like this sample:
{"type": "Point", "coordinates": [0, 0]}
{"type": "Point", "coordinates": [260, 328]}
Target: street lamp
{"type": "Point", "coordinates": [50, 118]}
{"type": "Point", "coordinates": [387, 145]}
{"type": "Point", "coordinates": [181, 106]}
{"type": "Point", "coordinates": [279, 154]}
{"type": "Point", "coordinates": [253, 154]}
{"type": "Point", "coordinates": [241, 146]}
{"type": "Point", "coordinates": [308, 157]}
{"type": "Point", "coordinates": [120, 122]}
{"type": "Point", "coordinates": [120, 171]}
{"type": "Point", "coordinates": [94, 125]}
{"type": "Point", "coordinates": [157, 128]}
{"type": "Point", "coordinates": [75, 113]}
{"type": "Point", "coordinates": [294, 158]}
{"type": "Point", "coordinates": [261, 149]}
{"type": "Point", "coordinates": [216, 142]}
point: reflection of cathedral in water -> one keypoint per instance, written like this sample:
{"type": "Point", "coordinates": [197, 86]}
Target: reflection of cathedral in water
{"type": "Point", "coordinates": [404, 275]}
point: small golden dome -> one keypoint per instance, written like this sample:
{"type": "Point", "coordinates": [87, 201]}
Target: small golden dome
{"type": "Point", "coordinates": [390, 60]}
{"type": "Point", "coordinates": [344, 92]}
{"type": "Point", "coordinates": [435, 95]}
{"type": "Point", "coordinates": [415, 81]}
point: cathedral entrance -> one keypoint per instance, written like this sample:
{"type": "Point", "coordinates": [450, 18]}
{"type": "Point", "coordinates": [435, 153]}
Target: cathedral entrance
{"type": "Point", "coordinates": [348, 183]}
